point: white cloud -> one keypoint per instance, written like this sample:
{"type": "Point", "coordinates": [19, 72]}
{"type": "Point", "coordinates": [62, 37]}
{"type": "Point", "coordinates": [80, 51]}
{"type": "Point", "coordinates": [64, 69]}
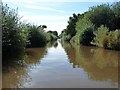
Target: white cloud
{"type": "Point", "coordinates": [57, 23]}
{"type": "Point", "coordinates": [45, 18]}
{"type": "Point", "coordinates": [44, 8]}
{"type": "Point", "coordinates": [56, 26]}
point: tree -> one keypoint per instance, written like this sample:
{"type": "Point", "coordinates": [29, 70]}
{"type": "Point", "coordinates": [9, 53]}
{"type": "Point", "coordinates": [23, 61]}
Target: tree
{"type": "Point", "coordinates": [101, 15]}
{"type": "Point", "coordinates": [85, 31]}
{"type": "Point", "coordinates": [52, 35]}
{"type": "Point", "coordinates": [44, 26]}
{"type": "Point", "coordinates": [37, 36]}
{"type": "Point", "coordinates": [13, 37]}
{"type": "Point", "coordinates": [116, 20]}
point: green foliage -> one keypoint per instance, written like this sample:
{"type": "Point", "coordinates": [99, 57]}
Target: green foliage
{"type": "Point", "coordinates": [55, 33]}
{"type": "Point", "coordinates": [71, 25]}
{"type": "Point", "coordinates": [104, 38]}
{"type": "Point", "coordinates": [13, 37]}
{"type": "Point", "coordinates": [101, 15]}
{"type": "Point", "coordinates": [116, 10]}
{"type": "Point", "coordinates": [82, 28]}
{"type": "Point", "coordinates": [105, 14]}
{"type": "Point", "coordinates": [87, 36]}
{"type": "Point", "coordinates": [16, 36]}
{"type": "Point", "coordinates": [113, 40]}
{"type": "Point", "coordinates": [51, 36]}
{"type": "Point", "coordinates": [65, 37]}
{"type": "Point", "coordinates": [37, 36]}
{"type": "Point", "coordinates": [70, 30]}
{"type": "Point", "coordinates": [84, 31]}
{"type": "Point", "coordinates": [44, 26]}
{"type": "Point", "coordinates": [101, 36]}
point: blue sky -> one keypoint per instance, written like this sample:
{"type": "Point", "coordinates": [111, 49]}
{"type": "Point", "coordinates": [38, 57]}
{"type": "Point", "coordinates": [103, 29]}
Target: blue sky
{"type": "Point", "coordinates": [53, 13]}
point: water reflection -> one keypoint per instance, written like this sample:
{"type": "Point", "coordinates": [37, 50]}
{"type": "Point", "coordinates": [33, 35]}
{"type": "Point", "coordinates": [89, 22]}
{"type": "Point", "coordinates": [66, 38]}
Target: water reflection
{"type": "Point", "coordinates": [91, 67]}
{"type": "Point", "coordinates": [17, 75]}
{"type": "Point", "coordinates": [99, 64]}
{"type": "Point", "coordinates": [34, 55]}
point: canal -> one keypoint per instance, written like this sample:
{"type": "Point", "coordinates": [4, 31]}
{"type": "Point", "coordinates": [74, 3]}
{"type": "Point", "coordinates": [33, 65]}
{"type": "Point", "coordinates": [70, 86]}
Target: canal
{"type": "Point", "coordinates": [65, 65]}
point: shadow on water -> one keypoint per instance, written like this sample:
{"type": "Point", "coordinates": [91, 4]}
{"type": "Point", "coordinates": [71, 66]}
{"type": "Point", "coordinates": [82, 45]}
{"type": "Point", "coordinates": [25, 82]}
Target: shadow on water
{"type": "Point", "coordinates": [98, 63]}
{"type": "Point", "coordinates": [34, 55]}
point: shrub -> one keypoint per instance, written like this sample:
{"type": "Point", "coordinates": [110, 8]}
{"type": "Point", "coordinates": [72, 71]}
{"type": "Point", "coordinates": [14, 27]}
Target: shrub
{"type": "Point", "coordinates": [87, 36]}
{"type": "Point", "coordinates": [51, 36]}
{"type": "Point", "coordinates": [107, 39]}
{"type": "Point", "coordinates": [84, 31]}
{"type": "Point", "coordinates": [114, 40]}
{"type": "Point", "coordinates": [37, 36]}
{"type": "Point", "coordinates": [13, 37]}
{"type": "Point", "coordinates": [100, 36]}
{"type": "Point", "coordinates": [101, 15]}
{"type": "Point", "coordinates": [66, 38]}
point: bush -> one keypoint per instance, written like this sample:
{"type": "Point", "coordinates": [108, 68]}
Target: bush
{"type": "Point", "coordinates": [37, 36]}
{"type": "Point", "coordinates": [100, 36]}
{"type": "Point", "coordinates": [13, 37]}
{"type": "Point", "coordinates": [109, 40]}
{"type": "Point", "coordinates": [87, 36]}
{"type": "Point", "coordinates": [114, 40]}
{"type": "Point", "coordinates": [71, 25]}
{"type": "Point", "coordinates": [101, 15]}
{"type": "Point", "coordinates": [66, 38]}
{"type": "Point", "coordinates": [51, 36]}
{"type": "Point", "coordinates": [116, 10]}
{"type": "Point", "coordinates": [84, 31]}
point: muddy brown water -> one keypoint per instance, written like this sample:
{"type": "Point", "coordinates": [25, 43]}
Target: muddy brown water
{"type": "Point", "coordinates": [65, 66]}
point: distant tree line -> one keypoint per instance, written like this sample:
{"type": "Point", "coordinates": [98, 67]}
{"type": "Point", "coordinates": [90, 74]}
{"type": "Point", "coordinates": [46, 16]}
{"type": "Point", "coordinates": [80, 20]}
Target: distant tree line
{"type": "Point", "coordinates": [99, 26]}
{"type": "Point", "coordinates": [52, 35]}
